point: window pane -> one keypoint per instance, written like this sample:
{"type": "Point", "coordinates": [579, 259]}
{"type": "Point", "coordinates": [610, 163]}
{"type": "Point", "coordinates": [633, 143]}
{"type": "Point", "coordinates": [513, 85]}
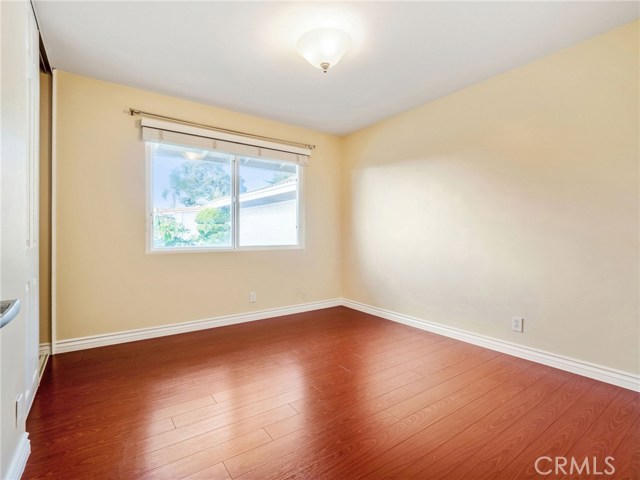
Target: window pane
{"type": "Point", "coordinates": [191, 194]}
{"type": "Point", "coordinates": [268, 203]}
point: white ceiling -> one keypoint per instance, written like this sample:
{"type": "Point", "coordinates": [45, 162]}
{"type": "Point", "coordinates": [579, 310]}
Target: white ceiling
{"type": "Point", "coordinates": [241, 55]}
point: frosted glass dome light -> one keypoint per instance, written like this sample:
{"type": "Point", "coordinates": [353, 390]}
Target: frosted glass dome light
{"type": "Point", "coordinates": [323, 48]}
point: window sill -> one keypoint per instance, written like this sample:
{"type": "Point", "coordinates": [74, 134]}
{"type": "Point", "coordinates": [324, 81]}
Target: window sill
{"type": "Point", "coordinates": [156, 251]}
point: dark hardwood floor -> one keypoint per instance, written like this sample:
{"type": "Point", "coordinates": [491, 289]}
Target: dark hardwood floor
{"type": "Point", "coordinates": [330, 394]}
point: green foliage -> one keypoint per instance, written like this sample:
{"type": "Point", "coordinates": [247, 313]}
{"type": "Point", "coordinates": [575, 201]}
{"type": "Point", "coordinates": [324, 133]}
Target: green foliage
{"type": "Point", "coordinates": [193, 184]}
{"type": "Point", "coordinates": [214, 226]}
{"type": "Point", "coordinates": [169, 233]}
{"type": "Point", "coordinates": [279, 177]}
{"type": "Point", "coordinates": [197, 183]}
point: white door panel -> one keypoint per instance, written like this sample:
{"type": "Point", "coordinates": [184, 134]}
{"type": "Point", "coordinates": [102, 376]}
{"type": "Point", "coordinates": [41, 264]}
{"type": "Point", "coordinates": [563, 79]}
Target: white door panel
{"type": "Point", "coordinates": [32, 185]}
{"type": "Point", "coordinates": [19, 99]}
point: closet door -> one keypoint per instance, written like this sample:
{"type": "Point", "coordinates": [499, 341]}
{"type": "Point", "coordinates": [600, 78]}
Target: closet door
{"type": "Point", "coordinates": [19, 97]}
{"type": "Point", "coordinates": [32, 312]}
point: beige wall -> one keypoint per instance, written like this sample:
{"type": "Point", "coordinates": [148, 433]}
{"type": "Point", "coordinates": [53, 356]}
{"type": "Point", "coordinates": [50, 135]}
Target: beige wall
{"type": "Point", "coordinates": [107, 283]}
{"type": "Point", "coordinates": [516, 196]}
{"type": "Point", "coordinates": [45, 208]}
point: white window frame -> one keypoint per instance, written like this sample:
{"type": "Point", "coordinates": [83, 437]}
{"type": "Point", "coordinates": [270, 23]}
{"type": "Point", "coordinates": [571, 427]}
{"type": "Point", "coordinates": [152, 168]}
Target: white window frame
{"type": "Point", "coordinates": [235, 215]}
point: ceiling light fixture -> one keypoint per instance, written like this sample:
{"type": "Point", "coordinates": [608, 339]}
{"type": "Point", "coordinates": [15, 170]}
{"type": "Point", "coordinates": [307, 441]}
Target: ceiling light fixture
{"type": "Point", "coordinates": [324, 47]}
{"type": "Point", "coordinates": [194, 155]}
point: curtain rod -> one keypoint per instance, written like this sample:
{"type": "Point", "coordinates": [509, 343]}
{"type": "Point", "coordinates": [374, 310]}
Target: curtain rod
{"type": "Point", "coordinates": [133, 112]}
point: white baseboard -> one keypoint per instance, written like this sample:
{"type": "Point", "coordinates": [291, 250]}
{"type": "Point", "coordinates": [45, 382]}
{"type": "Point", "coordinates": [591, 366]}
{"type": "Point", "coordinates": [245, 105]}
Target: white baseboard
{"type": "Point", "coordinates": [30, 393]}
{"type": "Point", "coordinates": [45, 349]}
{"type": "Point", "coordinates": [598, 372]}
{"type": "Point", "coordinates": [42, 362]}
{"type": "Point", "coordinates": [153, 332]}
{"type": "Point", "coordinates": [44, 353]}
{"type": "Point", "coordinates": [20, 457]}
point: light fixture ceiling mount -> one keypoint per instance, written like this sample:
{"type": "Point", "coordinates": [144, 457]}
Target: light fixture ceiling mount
{"type": "Point", "coordinates": [324, 47]}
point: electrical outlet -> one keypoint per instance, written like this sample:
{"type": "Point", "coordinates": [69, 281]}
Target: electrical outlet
{"type": "Point", "coordinates": [252, 297]}
{"type": "Point", "coordinates": [517, 324]}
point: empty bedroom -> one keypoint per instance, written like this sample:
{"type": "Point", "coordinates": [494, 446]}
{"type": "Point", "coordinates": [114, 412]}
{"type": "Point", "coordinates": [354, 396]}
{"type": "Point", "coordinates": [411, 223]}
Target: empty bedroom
{"type": "Point", "coordinates": [319, 240]}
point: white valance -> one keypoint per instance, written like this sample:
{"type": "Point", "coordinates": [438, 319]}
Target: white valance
{"type": "Point", "coordinates": [162, 131]}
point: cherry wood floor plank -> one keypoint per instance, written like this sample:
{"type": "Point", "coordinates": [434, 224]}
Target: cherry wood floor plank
{"type": "Point", "coordinates": [209, 434]}
{"type": "Point", "coordinates": [216, 472]}
{"type": "Point", "coordinates": [484, 370]}
{"type": "Point", "coordinates": [328, 394]}
{"type": "Point", "coordinates": [206, 458]}
{"type": "Point", "coordinates": [221, 414]}
{"type": "Point", "coordinates": [445, 367]}
{"type": "Point", "coordinates": [127, 399]}
{"type": "Point", "coordinates": [626, 458]}
{"type": "Point", "coordinates": [302, 443]}
{"type": "Point", "coordinates": [419, 446]}
{"type": "Point", "coordinates": [563, 434]}
{"type": "Point", "coordinates": [500, 451]}
{"type": "Point", "coordinates": [183, 407]}
{"type": "Point", "coordinates": [310, 461]}
{"type": "Point", "coordinates": [53, 445]}
{"type": "Point", "coordinates": [322, 410]}
{"type": "Point", "coordinates": [415, 417]}
{"type": "Point", "coordinates": [151, 459]}
{"type": "Point", "coordinates": [376, 384]}
{"type": "Point", "coordinates": [402, 360]}
{"type": "Point", "coordinates": [281, 383]}
{"type": "Point", "coordinates": [389, 355]}
{"type": "Point", "coordinates": [488, 425]}
{"type": "Point", "coordinates": [606, 434]}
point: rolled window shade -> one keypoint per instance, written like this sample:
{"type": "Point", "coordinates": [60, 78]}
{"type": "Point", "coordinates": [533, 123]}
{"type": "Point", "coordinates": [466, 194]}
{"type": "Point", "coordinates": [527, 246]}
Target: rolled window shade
{"type": "Point", "coordinates": [160, 131]}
